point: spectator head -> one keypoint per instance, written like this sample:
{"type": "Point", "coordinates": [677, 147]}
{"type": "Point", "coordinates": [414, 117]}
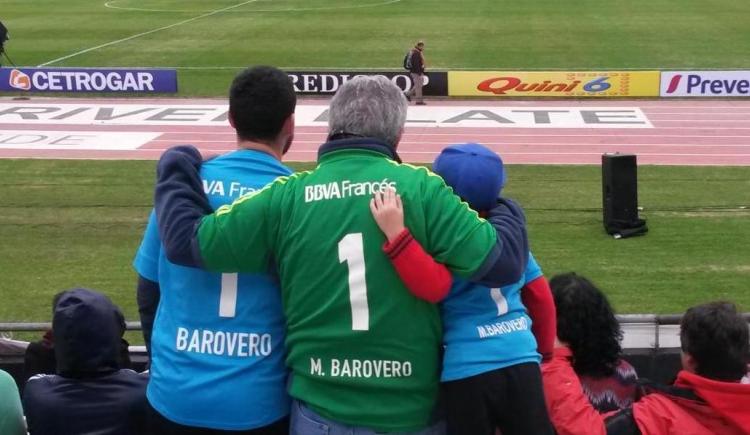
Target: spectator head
{"type": "Point", "coordinates": [474, 172]}
{"type": "Point", "coordinates": [368, 106]}
{"type": "Point", "coordinates": [714, 339]}
{"type": "Point", "coordinates": [88, 330]}
{"type": "Point", "coordinates": [261, 107]}
{"type": "Point", "coordinates": [586, 322]}
{"type": "Point", "coordinates": [420, 45]}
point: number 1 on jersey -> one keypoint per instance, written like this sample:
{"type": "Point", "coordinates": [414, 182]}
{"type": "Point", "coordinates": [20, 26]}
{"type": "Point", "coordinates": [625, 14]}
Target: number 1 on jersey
{"type": "Point", "coordinates": [352, 251]}
{"type": "Point", "coordinates": [502, 304]}
{"type": "Point", "coordinates": [228, 298]}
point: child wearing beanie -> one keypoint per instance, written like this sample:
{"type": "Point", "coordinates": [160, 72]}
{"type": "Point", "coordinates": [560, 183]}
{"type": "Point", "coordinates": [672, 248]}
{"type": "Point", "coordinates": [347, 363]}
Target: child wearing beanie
{"type": "Point", "coordinates": [492, 349]}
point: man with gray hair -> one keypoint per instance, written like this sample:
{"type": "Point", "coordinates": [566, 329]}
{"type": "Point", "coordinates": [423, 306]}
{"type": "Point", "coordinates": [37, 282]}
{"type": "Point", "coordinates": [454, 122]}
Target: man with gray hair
{"type": "Point", "coordinates": [363, 351]}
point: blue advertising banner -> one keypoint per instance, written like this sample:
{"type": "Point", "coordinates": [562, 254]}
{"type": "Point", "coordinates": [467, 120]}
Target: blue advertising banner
{"type": "Point", "coordinates": [88, 80]}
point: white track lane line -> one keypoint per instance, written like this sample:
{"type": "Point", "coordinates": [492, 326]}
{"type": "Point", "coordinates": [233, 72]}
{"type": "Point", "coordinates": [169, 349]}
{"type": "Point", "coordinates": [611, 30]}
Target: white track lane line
{"type": "Point", "coordinates": [208, 14]}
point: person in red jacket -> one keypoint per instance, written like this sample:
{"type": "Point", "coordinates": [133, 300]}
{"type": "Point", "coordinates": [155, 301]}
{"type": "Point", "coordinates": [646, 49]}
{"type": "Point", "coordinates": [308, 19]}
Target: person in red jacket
{"type": "Point", "coordinates": [587, 324]}
{"type": "Point", "coordinates": [707, 397]}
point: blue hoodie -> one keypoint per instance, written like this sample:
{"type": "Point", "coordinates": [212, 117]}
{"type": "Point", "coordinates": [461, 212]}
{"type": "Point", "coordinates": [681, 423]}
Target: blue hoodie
{"type": "Point", "coordinates": [90, 394]}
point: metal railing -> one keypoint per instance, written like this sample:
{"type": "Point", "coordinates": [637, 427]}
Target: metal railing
{"type": "Point", "coordinates": [641, 331]}
{"type": "Point", "coordinates": [43, 326]}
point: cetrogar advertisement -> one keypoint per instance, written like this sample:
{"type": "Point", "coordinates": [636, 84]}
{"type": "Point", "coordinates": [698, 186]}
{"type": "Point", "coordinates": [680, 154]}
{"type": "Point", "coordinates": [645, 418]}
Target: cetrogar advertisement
{"type": "Point", "coordinates": [88, 80]}
{"type": "Point", "coordinates": [705, 84]}
{"type": "Point", "coordinates": [553, 84]}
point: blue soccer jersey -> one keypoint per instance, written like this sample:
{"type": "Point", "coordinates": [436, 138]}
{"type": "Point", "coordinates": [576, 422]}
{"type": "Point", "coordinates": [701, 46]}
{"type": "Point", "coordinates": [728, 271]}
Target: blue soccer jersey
{"type": "Point", "coordinates": [486, 329]}
{"type": "Point", "coordinates": [218, 339]}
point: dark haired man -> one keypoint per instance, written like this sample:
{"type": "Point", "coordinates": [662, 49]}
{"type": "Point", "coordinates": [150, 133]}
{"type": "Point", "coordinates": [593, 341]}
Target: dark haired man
{"type": "Point", "coordinates": [416, 70]}
{"type": "Point", "coordinates": [708, 396]}
{"type": "Point", "coordinates": [217, 349]}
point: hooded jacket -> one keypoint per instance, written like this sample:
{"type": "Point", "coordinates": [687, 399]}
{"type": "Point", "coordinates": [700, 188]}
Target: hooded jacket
{"type": "Point", "coordinates": [694, 405]}
{"type": "Point", "coordinates": [90, 394]}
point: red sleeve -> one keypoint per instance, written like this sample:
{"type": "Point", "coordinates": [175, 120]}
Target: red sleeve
{"type": "Point", "coordinates": [569, 409]}
{"type": "Point", "coordinates": [424, 277]}
{"type": "Point", "coordinates": [537, 297]}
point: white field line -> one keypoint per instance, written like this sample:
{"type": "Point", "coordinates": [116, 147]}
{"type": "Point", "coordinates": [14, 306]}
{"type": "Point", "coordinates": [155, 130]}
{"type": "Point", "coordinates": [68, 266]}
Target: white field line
{"type": "Point", "coordinates": [646, 105]}
{"type": "Point", "coordinates": [111, 5]}
{"type": "Point", "coordinates": [208, 14]}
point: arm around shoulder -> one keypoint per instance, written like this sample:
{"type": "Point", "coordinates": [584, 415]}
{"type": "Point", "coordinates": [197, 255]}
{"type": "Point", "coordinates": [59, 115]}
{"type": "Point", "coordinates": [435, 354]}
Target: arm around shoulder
{"type": "Point", "coordinates": [424, 277]}
{"type": "Point", "coordinates": [507, 260]}
{"type": "Point", "coordinates": [180, 204]}
{"type": "Point", "coordinates": [491, 252]}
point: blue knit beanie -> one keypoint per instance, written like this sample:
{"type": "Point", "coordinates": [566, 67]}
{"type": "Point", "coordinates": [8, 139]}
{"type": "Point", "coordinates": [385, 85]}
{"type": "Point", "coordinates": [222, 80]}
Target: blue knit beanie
{"type": "Point", "coordinates": [474, 172]}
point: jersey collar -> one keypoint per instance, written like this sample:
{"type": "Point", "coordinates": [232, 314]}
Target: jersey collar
{"type": "Point", "coordinates": [358, 143]}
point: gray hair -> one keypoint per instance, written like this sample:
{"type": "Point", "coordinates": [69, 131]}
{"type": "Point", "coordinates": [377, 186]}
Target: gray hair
{"type": "Point", "coordinates": [370, 106]}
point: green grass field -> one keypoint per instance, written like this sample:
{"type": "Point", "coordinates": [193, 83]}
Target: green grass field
{"type": "Point", "coordinates": [71, 223]}
{"type": "Point", "coordinates": [78, 223]}
{"type": "Point", "coordinates": [211, 39]}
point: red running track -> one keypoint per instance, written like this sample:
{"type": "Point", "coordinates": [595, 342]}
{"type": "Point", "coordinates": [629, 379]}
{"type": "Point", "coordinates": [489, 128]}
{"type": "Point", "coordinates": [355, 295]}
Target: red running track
{"type": "Point", "coordinates": [685, 132]}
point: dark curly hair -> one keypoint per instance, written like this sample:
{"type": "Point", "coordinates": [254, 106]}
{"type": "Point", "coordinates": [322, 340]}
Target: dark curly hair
{"type": "Point", "coordinates": [586, 322]}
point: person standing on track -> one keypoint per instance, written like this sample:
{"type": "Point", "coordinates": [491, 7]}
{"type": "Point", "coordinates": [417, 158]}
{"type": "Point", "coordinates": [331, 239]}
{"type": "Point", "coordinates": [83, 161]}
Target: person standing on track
{"type": "Point", "coordinates": [217, 349]}
{"type": "Point", "coordinates": [364, 352]}
{"type": "Point", "coordinates": [416, 66]}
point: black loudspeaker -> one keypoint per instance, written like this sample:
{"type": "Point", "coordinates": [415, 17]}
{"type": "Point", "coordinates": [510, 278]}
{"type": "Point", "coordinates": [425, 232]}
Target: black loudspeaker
{"type": "Point", "coordinates": [620, 196]}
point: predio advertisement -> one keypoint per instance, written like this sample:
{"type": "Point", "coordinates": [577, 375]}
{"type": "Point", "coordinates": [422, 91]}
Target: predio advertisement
{"type": "Point", "coordinates": [553, 84]}
{"type": "Point", "coordinates": [328, 82]}
{"type": "Point", "coordinates": [88, 80]}
{"type": "Point", "coordinates": [705, 84]}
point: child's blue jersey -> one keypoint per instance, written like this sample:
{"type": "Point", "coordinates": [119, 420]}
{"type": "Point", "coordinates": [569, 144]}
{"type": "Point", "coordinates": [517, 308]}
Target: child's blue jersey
{"type": "Point", "coordinates": [218, 339]}
{"type": "Point", "coordinates": [486, 329]}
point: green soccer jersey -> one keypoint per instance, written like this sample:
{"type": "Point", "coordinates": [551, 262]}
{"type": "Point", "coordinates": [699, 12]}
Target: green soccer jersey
{"type": "Point", "coordinates": [363, 351]}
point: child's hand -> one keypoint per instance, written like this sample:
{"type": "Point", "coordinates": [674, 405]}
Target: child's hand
{"type": "Point", "coordinates": [388, 213]}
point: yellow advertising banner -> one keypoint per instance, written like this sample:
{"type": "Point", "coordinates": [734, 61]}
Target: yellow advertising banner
{"type": "Point", "coordinates": [553, 83]}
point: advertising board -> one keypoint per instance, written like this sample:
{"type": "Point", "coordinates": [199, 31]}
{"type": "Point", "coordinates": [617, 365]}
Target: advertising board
{"type": "Point", "coordinates": [328, 82]}
{"type": "Point", "coordinates": [553, 83]}
{"type": "Point", "coordinates": [88, 80]}
{"type": "Point", "coordinates": [705, 84]}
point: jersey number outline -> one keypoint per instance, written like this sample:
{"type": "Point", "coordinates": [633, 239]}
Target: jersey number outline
{"type": "Point", "coordinates": [228, 297]}
{"type": "Point", "coordinates": [352, 251]}
{"type": "Point", "coordinates": [502, 304]}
